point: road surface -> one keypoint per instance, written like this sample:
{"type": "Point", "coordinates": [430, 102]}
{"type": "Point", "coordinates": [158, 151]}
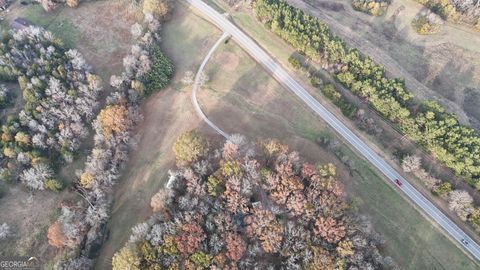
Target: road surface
{"type": "Point", "coordinates": [197, 85]}
{"type": "Point", "coordinates": [287, 81]}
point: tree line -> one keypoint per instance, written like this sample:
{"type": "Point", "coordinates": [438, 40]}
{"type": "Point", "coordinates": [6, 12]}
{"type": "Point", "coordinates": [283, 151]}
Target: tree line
{"type": "Point", "coordinates": [80, 229]}
{"type": "Point", "coordinates": [249, 206]}
{"type": "Point", "coordinates": [459, 201]}
{"type": "Point", "coordinates": [427, 123]}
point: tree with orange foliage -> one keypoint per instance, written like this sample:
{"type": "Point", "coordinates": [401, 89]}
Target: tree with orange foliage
{"type": "Point", "coordinates": [329, 229]}
{"type": "Point", "coordinates": [263, 225]}
{"type": "Point", "coordinates": [114, 119]}
{"type": "Point", "coordinates": [56, 236]}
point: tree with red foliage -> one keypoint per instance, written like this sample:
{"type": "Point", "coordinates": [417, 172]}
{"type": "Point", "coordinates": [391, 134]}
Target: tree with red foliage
{"type": "Point", "coordinates": [190, 238]}
{"type": "Point", "coordinates": [236, 246]}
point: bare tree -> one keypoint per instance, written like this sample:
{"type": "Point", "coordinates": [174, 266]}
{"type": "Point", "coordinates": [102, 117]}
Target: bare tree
{"type": "Point", "coordinates": [461, 203]}
{"type": "Point", "coordinates": [411, 163]}
{"type": "Point", "coordinates": [36, 176]}
{"type": "Point", "coordinates": [5, 231]}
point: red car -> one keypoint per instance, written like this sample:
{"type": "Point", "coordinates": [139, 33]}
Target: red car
{"type": "Point", "coordinates": [398, 182]}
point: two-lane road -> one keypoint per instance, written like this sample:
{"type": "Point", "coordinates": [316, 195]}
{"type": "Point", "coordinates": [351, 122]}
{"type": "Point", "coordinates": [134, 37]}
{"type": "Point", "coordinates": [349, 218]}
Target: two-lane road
{"type": "Point", "coordinates": [287, 81]}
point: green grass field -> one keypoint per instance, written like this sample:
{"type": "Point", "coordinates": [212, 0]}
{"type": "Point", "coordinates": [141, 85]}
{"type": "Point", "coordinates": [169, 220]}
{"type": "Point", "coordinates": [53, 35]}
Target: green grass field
{"type": "Point", "coordinates": [56, 22]}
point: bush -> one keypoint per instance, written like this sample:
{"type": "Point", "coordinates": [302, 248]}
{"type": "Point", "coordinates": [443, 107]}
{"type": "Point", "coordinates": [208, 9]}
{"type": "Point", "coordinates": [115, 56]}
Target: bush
{"type": "Point", "coordinates": [424, 26]}
{"type": "Point", "coordinates": [315, 81]}
{"type": "Point", "coordinates": [161, 71]}
{"type": "Point", "coordinates": [348, 109]}
{"type": "Point", "coordinates": [372, 7]}
{"type": "Point", "coordinates": [294, 62]}
{"type": "Point", "coordinates": [442, 189]}
{"type": "Point", "coordinates": [53, 185]}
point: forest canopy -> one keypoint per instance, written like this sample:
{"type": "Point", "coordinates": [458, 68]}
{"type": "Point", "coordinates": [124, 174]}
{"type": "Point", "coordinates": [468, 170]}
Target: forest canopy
{"type": "Point", "coordinates": [60, 96]}
{"type": "Point", "coordinates": [251, 206]}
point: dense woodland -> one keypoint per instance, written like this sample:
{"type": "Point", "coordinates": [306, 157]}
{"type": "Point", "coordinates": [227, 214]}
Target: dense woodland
{"type": "Point", "coordinates": [59, 99]}
{"type": "Point", "coordinates": [250, 206]}
{"type": "Point", "coordinates": [60, 105]}
{"type": "Point", "coordinates": [81, 226]}
{"type": "Point", "coordinates": [457, 146]}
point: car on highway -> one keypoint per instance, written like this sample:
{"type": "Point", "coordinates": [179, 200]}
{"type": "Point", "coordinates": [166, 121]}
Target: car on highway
{"type": "Point", "coordinates": [398, 182]}
{"type": "Point", "coordinates": [465, 242]}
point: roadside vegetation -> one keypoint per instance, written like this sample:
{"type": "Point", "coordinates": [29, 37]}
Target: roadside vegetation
{"type": "Point", "coordinates": [328, 90]}
{"type": "Point", "coordinates": [427, 123]}
{"type": "Point", "coordinates": [459, 201]}
{"type": "Point", "coordinates": [372, 7]}
{"type": "Point", "coordinates": [240, 205]}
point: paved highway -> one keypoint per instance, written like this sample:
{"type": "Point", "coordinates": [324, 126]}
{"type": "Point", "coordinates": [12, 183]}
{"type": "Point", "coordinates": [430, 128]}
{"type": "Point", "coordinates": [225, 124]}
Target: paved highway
{"type": "Point", "coordinates": [287, 81]}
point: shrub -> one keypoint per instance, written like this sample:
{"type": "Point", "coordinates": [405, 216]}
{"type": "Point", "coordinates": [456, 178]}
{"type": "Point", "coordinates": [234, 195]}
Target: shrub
{"type": "Point", "coordinates": [294, 62]}
{"type": "Point", "coordinates": [315, 81]}
{"type": "Point", "coordinates": [443, 189]}
{"type": "Point", "coordinates": [53, 185]}
{"type": "Point", "coordinates": [424, 26]}
{"type": "Point", "coordinates": [372, 7]}
{"type": "Point", "coordinates": [161, 71]}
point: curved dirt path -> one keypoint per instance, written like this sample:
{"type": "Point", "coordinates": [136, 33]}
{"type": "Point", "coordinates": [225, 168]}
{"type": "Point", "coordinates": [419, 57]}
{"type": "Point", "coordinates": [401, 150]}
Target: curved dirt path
{"type": "Point", "coordinates": [197, 85]}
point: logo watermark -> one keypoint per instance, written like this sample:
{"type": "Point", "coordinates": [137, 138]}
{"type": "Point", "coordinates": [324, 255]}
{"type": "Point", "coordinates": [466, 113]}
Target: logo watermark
{"type": "Point", "coordinates": [19, 263]}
